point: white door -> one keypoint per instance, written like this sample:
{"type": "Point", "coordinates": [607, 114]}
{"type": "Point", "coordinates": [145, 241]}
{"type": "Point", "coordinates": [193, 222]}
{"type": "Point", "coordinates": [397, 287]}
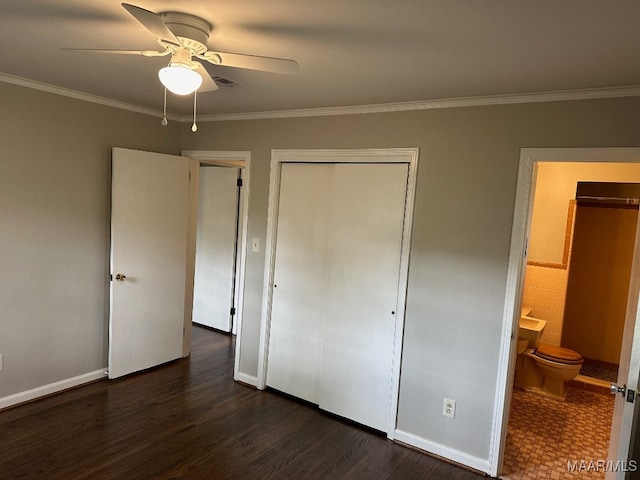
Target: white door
{"type": "Point", "coordinates": [365, 244]}
{"type": "Point", "coordinates": [336, 275]}
{"type": "Point", "coordinates": [149, 218]}
{"type": "Point", "coordinates": [623, 429]}
{"type": "Point", "coordinates": [216, 247]}
{"type": "Point", "coordinates": [300, 281]}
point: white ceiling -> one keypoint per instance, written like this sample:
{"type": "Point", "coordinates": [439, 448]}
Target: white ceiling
{"type": "Point", "coordinates": [351, 52]}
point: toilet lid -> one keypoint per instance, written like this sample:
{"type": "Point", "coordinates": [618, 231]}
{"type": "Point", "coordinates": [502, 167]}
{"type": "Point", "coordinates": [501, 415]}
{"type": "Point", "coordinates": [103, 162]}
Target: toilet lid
{"type": "Point", "coordinates": [558, 354]}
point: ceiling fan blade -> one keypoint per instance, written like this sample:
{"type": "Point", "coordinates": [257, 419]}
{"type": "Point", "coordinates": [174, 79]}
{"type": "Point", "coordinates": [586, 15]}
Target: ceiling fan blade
{"type": "Point", "coordinates": [152, 22]}
{"type": "Point", "coordinates": [208, 83]}
{"type": "Point", "coordinates": [146, 53]}
{"type": "Point", "coordinates": [252, 62]}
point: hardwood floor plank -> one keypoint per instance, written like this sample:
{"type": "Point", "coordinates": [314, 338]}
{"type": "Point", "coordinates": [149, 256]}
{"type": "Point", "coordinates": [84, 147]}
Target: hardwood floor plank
{"type": "Point", "coordinates": [190, 420]}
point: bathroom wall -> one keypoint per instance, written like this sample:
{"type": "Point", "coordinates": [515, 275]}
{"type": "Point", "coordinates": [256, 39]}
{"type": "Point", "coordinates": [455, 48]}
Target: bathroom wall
{"type": "Point", "coordinates": [550, 235]}
{"type": "Point", "coordinates": [598, 283]}
{"type": "Point", "coordinates": [544, 291]}
{"type": "Point", "coordinates": [555, 186]}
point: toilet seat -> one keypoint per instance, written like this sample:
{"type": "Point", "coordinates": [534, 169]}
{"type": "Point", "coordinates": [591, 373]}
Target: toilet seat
{"type": "Point", "coordinates": [558, 354]}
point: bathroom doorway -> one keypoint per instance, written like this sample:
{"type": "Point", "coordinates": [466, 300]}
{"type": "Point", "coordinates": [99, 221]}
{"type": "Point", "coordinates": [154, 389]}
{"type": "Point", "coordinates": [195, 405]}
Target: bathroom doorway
{"type": "Point", "coordinates": [544, 433]}
{"type": "Point", "coordinates": [525, 232]}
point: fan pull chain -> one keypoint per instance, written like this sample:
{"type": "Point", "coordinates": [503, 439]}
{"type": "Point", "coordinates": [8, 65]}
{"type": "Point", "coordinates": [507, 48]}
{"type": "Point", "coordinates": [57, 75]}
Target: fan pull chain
{"type": "Point", "coordinates": [164, 109]}
{"type": "Point", "coordinates": [194, 127]}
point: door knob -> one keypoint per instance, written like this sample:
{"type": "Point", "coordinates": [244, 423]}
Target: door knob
{"type": "Point", "coordinates": [121, 277]}
{"type": "Point", "coordinates": [613, 389]}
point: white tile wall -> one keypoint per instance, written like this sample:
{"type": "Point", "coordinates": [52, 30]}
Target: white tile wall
{"type": "Point", "coordinates": [544, 291]}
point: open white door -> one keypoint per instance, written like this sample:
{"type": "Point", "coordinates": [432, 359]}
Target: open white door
{"type": "Point", "coordinates": [149, 221]}
{"type": "Point", "coordinates": [216, 247]}
{"type": "Point", "coordinates": [624, 417]}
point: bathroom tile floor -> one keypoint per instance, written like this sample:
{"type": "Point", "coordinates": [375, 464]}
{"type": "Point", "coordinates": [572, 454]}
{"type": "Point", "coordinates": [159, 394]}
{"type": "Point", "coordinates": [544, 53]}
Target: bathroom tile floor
{"type": "Point", "coordinates": [590, 369]}
{"type": "Point", "coordinates": [543, 435]}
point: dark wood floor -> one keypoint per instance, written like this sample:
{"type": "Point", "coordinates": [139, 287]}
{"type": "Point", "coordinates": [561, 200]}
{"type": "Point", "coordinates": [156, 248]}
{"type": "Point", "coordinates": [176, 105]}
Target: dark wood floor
{"type": "Point", "coordinates": [190, 420]}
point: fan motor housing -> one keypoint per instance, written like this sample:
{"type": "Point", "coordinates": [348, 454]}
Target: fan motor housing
{"type": "Point", "coordinates": [192, 31]}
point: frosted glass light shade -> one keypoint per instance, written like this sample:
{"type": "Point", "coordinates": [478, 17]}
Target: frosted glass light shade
{"type": "Point", "coordinates": [180, 79]}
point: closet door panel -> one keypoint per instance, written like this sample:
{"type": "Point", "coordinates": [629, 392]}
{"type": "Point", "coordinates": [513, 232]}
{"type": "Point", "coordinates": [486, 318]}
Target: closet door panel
{"type": "Point", "coordinates": [365, 239]}
{"type": "Point", "coordinates": [300, 281]}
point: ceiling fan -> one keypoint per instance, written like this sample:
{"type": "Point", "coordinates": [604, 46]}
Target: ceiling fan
{"type": "Point", "coordinates": [184, 38]}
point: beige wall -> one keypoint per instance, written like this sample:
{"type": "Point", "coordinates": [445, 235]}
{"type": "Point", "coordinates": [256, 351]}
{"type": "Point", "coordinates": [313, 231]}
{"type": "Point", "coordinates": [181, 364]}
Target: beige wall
{"type": "Point", "coordinates": [54, 241]}
{"type": "Point", "coordinates": [545, 288]}
{"type": "Point", "coordinates": [54, 230]}
{"type": "Point", "coordinates": [460, 247]}
{"type": "Point", "coordinates": [555, 186]}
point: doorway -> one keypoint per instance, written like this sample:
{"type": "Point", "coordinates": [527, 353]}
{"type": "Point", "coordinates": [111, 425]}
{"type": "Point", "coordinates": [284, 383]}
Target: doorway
{"type": "Point", "coordinates": [546, 435]}
{"type": "Point", "coordinates": [238, 161]}
{"type": "Point", "coordinates": [623, 424]}
{"type": "Point", "coordinates": [217, 252]}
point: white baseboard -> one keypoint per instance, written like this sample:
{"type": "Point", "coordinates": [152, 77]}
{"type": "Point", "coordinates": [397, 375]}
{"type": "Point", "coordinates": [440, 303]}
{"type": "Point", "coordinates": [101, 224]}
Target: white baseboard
{"type": "Point", "coordinates": [55, 387]}
{"type": "Point", "coordinates": [443, 451]}
{"type": "Point", "coordinates": [248, 379]}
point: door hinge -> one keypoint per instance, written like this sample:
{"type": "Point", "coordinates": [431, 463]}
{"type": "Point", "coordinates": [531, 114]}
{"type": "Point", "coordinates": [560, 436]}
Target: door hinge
{"type": "Point", "coordinates": [239, 182]}
{"type": "Point", "coordinates": [111, 277]}
{"type": "Point", "coordinates": [232, 311]}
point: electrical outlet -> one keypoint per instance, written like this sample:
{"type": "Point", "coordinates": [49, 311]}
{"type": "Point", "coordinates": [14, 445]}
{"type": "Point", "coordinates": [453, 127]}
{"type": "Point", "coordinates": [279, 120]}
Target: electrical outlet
{"type": "Point", "coordinates": [449, 408]}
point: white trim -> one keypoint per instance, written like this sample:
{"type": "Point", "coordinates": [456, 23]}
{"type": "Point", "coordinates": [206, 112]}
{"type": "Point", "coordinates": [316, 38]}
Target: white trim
{"type": "Point", "coordinates": [86, 97]}
{"type": "Point", "coordinates": [385, 155]}
{"type": "Point", "coordinates": [529, 157]}
{"type": "Point", "coordinates": [531, 97]}
{"type": "Point", "coordinates": [51, 388]}
{"type": "Point", "coordinates": [403, 283]}
{"type": "Point", "coordinates": [220, 157]}
{"type": "Point", "coordinates": [443, 451]}
{"type": "Point", "coordinates": [248, 379]}
{"type": "Point", "coordinates": [555, 96]}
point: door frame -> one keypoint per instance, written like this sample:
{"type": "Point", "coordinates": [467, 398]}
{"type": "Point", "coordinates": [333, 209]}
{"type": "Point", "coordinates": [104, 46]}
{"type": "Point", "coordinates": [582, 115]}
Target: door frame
{"type": "Point", "coordinates": [237, 159]}
{"type": "Point", "coordinates": [529, 158]}
{"type": "Point", "coordinates": [391, 155]}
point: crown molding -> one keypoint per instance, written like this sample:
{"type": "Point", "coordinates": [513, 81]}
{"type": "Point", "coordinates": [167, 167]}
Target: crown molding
{"type": "Point", "coordinates": [555, 96]}
{"type": "Point", "coordinates": [66, 92]}
{"type": "Point", "coordinates": [535, 97]}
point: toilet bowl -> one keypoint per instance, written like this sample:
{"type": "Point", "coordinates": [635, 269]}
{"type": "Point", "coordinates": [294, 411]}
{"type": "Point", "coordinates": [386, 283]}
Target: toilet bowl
{"type": "Point", "coordinates": [558, 366]}
{"type": "Point", "coordinates": [546, 368]}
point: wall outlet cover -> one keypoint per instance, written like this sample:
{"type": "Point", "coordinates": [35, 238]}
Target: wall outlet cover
{"type": "Point", "coordinates": [449, 408]}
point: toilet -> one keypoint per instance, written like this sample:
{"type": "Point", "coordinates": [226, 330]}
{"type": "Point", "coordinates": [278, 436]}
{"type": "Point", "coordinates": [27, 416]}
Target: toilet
{"type": "Point", "coordinates": [558, 365]}
{"type": "Point", "coordinates": [544, 369]}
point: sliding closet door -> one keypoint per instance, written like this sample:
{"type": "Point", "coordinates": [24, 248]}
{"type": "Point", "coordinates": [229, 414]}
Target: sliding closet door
{"type": "Point", "coordinates": [366, 226]}
{"type": "Point", "coordinates": [336, 274]}
{"type": "Point", "coordinates": [300, 280]}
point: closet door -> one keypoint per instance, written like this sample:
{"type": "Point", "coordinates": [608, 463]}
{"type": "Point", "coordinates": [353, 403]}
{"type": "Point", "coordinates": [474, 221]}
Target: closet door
{"type": "Point", "coordinates": [366, 227]}
{"type": "Point", "coordinates": [300, 280]}
{"type": "Point", "coordinates": [336, 273]}
{"type": "Point", "coordinates": [215, 247]}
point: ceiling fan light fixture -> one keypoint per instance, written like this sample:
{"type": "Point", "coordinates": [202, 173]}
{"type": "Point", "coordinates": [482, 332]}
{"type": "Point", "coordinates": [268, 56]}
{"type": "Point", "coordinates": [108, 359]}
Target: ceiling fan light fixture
{"type": "Point", "coordinates": [180, 79]}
